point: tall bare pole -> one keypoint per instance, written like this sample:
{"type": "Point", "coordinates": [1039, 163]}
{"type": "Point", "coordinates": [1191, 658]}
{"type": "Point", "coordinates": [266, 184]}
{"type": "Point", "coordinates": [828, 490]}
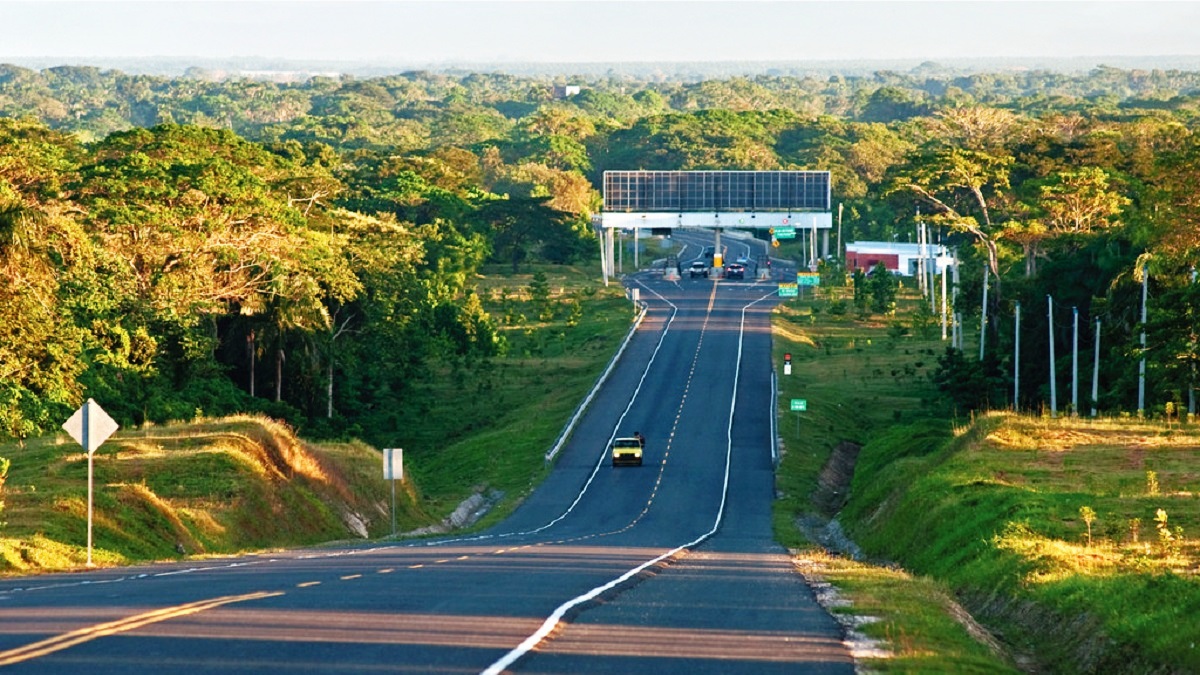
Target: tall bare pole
{"type": "Point", "coordinates": [841, 252]}
{"type": "Point", "coordinates": [1075, 364]}
{"type": "Point", "coordinates": [1192, 384]}
{"type": "Point", "coordinates": [637, 237]}
{"type": "Point", "coordinates": [983, 315]}
{"type": "Point", "coordinates": [1053, 375]}
{"type": "Point", "coordinates": [945, 308]}
{"type": "Point", "coordinates": [1096, 370]}
{"type": "Point", "coordinates": [1142, 364]}
{"type": "Point", "coordinates": [1017, 358]}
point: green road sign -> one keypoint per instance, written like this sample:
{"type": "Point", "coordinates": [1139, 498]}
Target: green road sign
{"type": "Point", "coordinates": [785, 233]}
{"type": "Point", "coordinates": [808, 279]}
{"type": "Point", "coordinates": [788, 290]}
{"type": "Point", "coordinates": [799, 404]}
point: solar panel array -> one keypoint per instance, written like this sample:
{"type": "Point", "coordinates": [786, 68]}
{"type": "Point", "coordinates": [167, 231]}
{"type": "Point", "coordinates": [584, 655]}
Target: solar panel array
{"type": "Point", "coordinates": [717, 191]}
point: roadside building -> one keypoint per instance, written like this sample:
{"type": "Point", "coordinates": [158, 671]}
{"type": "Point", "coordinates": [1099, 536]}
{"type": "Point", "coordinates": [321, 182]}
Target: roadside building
{"type": "Point", "coordinates": [899, 258]}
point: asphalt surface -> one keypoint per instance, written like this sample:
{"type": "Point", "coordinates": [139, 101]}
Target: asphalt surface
{"type": "Point", "coordinates": [665, 568]}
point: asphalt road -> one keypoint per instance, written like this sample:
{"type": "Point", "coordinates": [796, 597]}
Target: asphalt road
{"type": "Point", "coordinates": [664, 568]}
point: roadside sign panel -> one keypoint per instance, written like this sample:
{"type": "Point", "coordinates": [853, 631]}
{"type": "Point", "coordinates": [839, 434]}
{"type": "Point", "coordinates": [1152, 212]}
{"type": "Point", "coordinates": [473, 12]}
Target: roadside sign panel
{"type": "Point", "coordinates": [788, 290]}
{"type": "Point", "coordinates": [785, 233]}
{"type": "Point", "coordinates": [90, 426]}
{"type": "Point", "coordinates": [393, 464]}
{"type": "Point", "coordinates": [799, 405]}
{"type": "Point", "coordinates": [808, 279]}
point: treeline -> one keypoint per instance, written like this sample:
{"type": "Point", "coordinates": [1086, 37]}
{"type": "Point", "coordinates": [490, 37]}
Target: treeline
{"type": "Point", "coordinates": [181, 245]}
{"type": "Point", "coordinates": [182, 270]}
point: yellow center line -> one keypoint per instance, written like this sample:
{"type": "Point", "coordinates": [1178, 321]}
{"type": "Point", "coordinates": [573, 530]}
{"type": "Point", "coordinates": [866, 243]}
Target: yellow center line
{"type": "Point", "coordinates": [75, 637]}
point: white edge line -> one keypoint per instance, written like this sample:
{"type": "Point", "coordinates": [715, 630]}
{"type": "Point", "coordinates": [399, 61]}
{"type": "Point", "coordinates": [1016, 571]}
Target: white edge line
{"type": "Point", "coordinates": [555, 617]}
{"type": "Point", "coordinates": [612, 363]}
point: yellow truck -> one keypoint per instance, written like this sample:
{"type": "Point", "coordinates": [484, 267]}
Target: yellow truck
{"type": "Point", "coordinates": [628, 451]}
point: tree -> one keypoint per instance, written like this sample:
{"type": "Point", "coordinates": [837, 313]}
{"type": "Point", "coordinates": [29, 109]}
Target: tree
{"type": "Point", "coordinates": [883, 288]}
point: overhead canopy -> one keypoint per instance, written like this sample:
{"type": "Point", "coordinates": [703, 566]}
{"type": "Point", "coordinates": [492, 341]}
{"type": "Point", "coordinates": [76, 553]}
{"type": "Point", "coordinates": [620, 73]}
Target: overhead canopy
{"type": "Point", "coordinates": [716, 191]}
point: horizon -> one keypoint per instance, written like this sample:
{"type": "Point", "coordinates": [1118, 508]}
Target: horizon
{"type": "Point", "coordinates": [450, 34]}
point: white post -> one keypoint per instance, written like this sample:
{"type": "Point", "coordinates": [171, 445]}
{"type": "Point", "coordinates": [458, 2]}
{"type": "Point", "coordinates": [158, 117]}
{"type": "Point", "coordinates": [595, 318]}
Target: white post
{"type": "Point", "coordinates": [922, 281]}
{"type": "Point", "coordinates": [603, 258]}
{"type": "Point", "coordinates": [945, 309]}
{"type": "Point", "coordinates": [1075, 364]}
{"type": "Point", "coordinates": [637, 237]}
{"type": "Point", "coordinates": [1053, 376]}
{"type": "Point", "coordinates": [1096, 370]}
{"type": "Point", "coordinates": [1017, 358]}
{"type": "Point", "coordinates": [87, 409]}
{"type": "Point", "coordinates": [1192, 384]}
{"type": "Point", "coordinates": [620, 252]}
{"type": "Point", "coordinates": [983, 315]}
{"type": "Point", "coordinates": [841, 252]}
{"type": "Point", "coordinates": [1142, 363]}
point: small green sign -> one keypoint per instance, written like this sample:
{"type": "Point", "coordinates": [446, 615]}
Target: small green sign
{"type": "Point", "coordinates": [799, 404]}
{"type": "Point", "coordinates": [808, 278]}
{"type": "Point", "coordinates": [788, 290]}
{"type": "Point", "coordinates": [785, 233]}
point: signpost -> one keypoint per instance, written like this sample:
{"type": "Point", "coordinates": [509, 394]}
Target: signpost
{"type": "Point", "coordinates": [785, 232]}
{"type": "Point", "coordinates": [788, 290]}
{"type": "Point", "coordinates": [808, 279]}
{"type": "Point", "coordinates": [799, 405]}
{"type": "Point", "coordinates": [393, 470]}
{"type": "Point", "coordinates": [90, 426]}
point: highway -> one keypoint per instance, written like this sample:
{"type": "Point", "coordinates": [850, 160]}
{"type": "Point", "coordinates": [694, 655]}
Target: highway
{"type": "Point", "coordinates": [665, 568]}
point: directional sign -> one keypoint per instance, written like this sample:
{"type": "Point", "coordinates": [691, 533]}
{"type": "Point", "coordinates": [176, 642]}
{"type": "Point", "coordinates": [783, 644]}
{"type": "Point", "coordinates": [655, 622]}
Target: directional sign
{"type": "Point", "coordinates": [785, 233]}
{"type": "Point", "coordinates": [808, 278]}
{"type": "Point", "coordinates": [799, 404]}
{"type": "Point", "coordinates": [788, 291]}
{"type": "Point", "coordinates": [90, 426]}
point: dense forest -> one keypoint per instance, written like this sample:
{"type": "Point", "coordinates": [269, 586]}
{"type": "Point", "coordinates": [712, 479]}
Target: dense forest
{"type": "Point", "coordinates": [198, 245]}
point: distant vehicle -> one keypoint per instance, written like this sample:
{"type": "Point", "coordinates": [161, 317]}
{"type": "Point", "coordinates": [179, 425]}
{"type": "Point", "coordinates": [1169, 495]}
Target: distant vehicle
{"type": "Point", "coordinates": [742, 260]}
{"type": "Point", "coordinates": [709, 252]}
{"type": "Point", "coordinates": [628, 451]}
{"type": "Point", "coordinates": [735, 271]}
{"type": "Point", "coordinates": [698, 269]}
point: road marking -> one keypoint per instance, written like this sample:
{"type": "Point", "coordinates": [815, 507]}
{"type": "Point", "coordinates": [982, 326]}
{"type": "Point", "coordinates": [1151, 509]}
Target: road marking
{"type": "Point", "coordinates": [386, 570]}
{"type": "Point", "coordinates": [75, 637]}
{"type": "Point", "coordinates": [308, 583]}
{"type": "Point", "coordinates": [348, 577]}
{"type": "Point", "coordinates": [552, 622]}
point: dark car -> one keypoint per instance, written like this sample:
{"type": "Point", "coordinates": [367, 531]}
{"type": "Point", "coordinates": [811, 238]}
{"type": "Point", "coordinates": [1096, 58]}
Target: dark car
{"type": "Point", "coordinates": [735, 271]}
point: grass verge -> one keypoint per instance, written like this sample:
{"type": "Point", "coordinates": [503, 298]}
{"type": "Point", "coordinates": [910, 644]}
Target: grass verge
{"type": "Point", "coordinates": [1072, 540]}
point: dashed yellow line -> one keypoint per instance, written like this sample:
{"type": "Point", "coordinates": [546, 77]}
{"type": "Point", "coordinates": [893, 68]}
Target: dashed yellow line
{"type": "Point", "coordinates": [75, 637]}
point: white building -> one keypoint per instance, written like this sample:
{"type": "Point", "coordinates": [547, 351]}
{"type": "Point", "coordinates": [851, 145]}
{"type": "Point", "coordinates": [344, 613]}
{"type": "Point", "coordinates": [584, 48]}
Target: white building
{"type": "Point", "coordinates": [900, 258]}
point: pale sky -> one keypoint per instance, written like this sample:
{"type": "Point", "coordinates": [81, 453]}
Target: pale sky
{"type": "Point", "coordinates": [422, 32]}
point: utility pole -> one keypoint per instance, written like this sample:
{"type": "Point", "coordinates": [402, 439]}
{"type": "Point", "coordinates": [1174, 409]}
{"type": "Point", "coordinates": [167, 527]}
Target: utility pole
{"type": "Point", "coordinates": [983, 315]}
{"type": "Point", "coordinates": [1142, 363]}
{"type": "Point", "coordinates": [1017, 358]}
{"type": "Point", "coordinates": [1075, 364]}
{"type": "Point", "coordinates": [1053, 376]}
{"type": "Point", "coordinates": [1096, 370]}
{"type": "Point", "coordinates": [945, 309]}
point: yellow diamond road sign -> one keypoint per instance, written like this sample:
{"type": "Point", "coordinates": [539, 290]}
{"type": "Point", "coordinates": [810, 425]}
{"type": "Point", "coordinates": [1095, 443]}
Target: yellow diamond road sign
{"type": "Point", "coordinates": [90, 426]}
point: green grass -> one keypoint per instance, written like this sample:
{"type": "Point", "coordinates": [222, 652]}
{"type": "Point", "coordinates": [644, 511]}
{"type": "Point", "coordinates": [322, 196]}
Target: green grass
{"type": "Point", "coordinates": [210, 487]}
{"type": "Point", "coordinates": [988, 510]}
{"type": "Point", "coordinates": [487, 427]}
